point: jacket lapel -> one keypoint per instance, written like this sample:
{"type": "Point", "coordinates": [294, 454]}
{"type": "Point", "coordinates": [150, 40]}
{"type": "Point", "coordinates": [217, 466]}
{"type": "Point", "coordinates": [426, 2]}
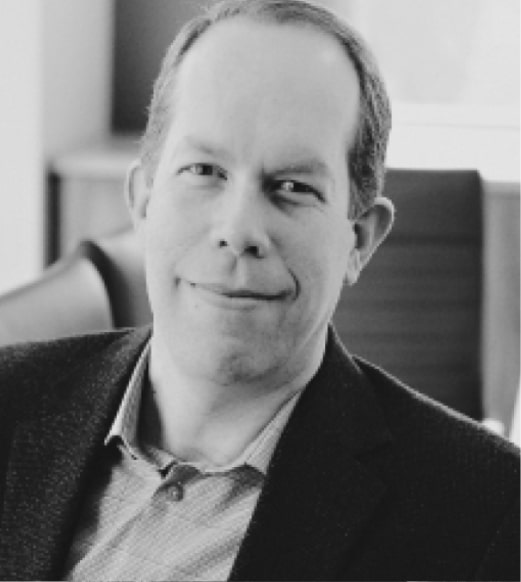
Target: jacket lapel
{"type": "Point", "coordinates": [51, 457]}
{"type": "Point", "coordinates": [320, 491]}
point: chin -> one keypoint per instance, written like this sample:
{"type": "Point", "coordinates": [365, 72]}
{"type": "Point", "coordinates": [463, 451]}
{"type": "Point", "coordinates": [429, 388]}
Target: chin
{"type": "Point", "coordinates": [232, 359]}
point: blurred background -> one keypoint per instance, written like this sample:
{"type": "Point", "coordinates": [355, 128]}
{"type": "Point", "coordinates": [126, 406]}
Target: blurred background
{"type": "Point", "coordinates": [76, 79]}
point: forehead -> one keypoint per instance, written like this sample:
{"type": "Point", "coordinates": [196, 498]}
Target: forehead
{"type": "Point", "coordinates": [239, 38]}
{"type": "Point", "coordinates": [289, 78]}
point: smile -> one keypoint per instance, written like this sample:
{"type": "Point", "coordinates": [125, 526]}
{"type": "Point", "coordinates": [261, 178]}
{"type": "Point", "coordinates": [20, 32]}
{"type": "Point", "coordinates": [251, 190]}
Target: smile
{"type": "Point", "coordinates": [234, 297]}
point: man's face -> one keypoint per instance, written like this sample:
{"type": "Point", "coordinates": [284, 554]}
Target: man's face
{"type": "Point", "coordinates": [247, 240]}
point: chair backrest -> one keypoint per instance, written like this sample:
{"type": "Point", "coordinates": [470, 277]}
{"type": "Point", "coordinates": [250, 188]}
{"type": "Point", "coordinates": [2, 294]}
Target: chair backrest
{"type": "Point", "coordinates": [416, 310]}
{"type": "Point", "coordinates": [119, 262]}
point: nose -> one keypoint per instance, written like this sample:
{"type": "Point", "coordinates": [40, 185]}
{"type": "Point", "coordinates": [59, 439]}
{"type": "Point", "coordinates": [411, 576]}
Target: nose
{"type": "Point", "coordinates": [240, 225]}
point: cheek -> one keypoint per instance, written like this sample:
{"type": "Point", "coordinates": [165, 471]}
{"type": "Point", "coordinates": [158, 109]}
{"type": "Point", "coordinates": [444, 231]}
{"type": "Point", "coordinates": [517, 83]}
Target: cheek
{"type": "Point", "coordinates": [170, 230]}
{"type": "Point", "coordinates": [318, 256]}
{"type": "Point", "coordinates": [167, 240]}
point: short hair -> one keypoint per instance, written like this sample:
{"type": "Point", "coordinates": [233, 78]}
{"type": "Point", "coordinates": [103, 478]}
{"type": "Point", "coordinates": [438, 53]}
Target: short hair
{"type": "Point", "coordinates": [365, 157]}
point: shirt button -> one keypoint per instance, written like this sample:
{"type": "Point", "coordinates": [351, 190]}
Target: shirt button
{"type": "Point", "coordinates": [177, 492]}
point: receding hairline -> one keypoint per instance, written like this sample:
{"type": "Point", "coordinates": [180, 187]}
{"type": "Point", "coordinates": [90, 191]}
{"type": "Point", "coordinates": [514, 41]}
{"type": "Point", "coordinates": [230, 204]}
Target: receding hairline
{"type": "Point", "coordinates": [269, 20]}
{"type": "Point", "coordinates": [264, 20]}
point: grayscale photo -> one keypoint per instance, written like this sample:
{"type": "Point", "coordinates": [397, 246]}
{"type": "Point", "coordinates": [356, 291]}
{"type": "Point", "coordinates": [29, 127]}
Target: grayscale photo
{"type": "Point", "coordinates": [259, 290]}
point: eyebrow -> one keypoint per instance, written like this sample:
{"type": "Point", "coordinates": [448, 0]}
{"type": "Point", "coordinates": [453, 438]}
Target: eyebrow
{"type": "Point", "coordinates": [305, 166]}
{"type": "Point", "coordinates": [202, 146]}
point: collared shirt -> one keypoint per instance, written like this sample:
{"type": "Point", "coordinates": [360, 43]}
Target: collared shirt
{"type": "Point", "coordinates": [149, 516]}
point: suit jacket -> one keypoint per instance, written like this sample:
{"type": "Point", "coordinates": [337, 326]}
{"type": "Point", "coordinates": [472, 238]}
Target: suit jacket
{"type": "Point", "coordinates": [369, 481]}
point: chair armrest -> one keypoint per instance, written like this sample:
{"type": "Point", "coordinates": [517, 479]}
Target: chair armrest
{"type": "Point", "coordinates": [68, 299]}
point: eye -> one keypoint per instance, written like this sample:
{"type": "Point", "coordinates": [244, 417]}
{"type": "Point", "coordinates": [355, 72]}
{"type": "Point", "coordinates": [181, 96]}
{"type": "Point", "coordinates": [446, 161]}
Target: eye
{"type": "Point", "coordinates": [201, 169]}
{"type": "Point", "coordinates": [294, 190]}
{"type": "Point", "coordinates": [202, 174]}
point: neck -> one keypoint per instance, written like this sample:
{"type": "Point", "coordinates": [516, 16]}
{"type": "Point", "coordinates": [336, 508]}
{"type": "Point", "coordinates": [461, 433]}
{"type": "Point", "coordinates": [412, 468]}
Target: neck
{"type": "Point", "coordinates": [199, 420]}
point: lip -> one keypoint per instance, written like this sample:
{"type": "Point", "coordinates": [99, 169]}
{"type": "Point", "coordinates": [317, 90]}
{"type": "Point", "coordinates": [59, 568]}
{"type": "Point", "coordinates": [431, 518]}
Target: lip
{"type": "Point", "coordinates": [239, 296]}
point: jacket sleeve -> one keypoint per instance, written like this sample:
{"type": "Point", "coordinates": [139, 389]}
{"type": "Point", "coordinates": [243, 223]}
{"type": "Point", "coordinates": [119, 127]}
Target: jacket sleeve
{"type": "Point", "coordinates": [501, 560]}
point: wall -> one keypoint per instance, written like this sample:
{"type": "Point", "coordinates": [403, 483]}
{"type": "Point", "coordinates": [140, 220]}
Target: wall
{"type": "Point", "coordinates": [55, 66]}
{"type": "Point", "coordinates": [141, 36]}
{"type": "Point", "coordinates": [77, 70]}
{"type": "Point", "coordinates": [463, 52]}
{"type": "Point", "coordinates": [21, 175]}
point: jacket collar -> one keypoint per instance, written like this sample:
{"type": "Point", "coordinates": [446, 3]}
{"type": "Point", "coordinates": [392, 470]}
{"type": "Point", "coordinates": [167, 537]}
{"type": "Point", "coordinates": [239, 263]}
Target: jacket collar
{"type": "Point", "coordinates": [320, 490]}
{"type": "Point", "coordinates": [53, 453]}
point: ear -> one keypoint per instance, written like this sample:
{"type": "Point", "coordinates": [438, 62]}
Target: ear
{"type": "Point", "coordinates": [370, 230]}
{"type": "Point", "coordinates": [137, 195]}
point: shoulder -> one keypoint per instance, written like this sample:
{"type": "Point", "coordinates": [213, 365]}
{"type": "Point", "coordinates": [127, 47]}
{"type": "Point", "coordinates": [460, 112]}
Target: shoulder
{"type": "Point", "coordinates": [25, 358]}
{"type": "Point", "coordinates": [455, 484]}
{"type": "Point", "coordinates": [442, 456]}
{"type": "Point", "coordinates": [29, 368]}
{"type": "Point", "coordinates": [40, 380]}
{"type": "Point", "coordinates": [437, 430]}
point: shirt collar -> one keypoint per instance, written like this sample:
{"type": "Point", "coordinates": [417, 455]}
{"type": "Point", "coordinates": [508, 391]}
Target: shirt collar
{"type": "Point", "coordinates": [125, 424]}
{"type": "Point", "coordinates": [259, 452]}
{"type": "Point", "coordinates": [256, 455]}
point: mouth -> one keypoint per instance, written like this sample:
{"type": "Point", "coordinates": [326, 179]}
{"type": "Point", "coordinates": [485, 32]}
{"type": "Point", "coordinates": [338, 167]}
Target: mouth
{"type": "Point", "coordinates": [238, 295]}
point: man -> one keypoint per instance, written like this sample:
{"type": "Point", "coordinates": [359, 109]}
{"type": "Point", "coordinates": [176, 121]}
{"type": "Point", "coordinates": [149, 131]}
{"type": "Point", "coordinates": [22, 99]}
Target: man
{"type": "Point", "coordinates": [238, 438]}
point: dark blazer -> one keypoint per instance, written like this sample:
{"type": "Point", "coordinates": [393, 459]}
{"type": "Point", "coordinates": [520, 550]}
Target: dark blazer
{"type": "Point", "coordinates": [369, 481]}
